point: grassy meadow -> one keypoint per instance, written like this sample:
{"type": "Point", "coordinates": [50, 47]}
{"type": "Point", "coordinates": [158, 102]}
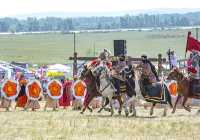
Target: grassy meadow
{"type": "Point", "coordinates": [71, 125]}
{"type": "Point", "coordinates": [56, 48]}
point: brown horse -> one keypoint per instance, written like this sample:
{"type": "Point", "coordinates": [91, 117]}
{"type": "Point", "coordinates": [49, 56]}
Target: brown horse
{"type": "Point", "coordinates": [92, 90]}
{"type": "Point", "coordinates": [184, 88]}
{"type": "Point", "coordinates": [155, 93]}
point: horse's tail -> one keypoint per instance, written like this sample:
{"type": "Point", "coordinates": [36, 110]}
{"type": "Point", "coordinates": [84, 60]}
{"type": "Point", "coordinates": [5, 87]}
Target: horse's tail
{"type": "Point", "coordinates": [168, 96]}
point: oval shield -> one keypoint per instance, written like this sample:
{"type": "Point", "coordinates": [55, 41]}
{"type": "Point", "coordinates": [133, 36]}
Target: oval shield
{"type": "Point", "coordinates": [54, 89]}
{"type": "Point", "coordinates": [79, 89]}
{"type": "Point", "coordinates": [10, 89]}
{"type": "Point", "coordinates": [34, 90]}
{"type": "Point", "coordinates": [172, 88]}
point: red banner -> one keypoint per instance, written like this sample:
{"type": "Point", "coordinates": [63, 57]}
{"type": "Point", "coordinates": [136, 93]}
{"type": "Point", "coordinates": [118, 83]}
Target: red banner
{"type": "Point", "coordinates": [192, 43]}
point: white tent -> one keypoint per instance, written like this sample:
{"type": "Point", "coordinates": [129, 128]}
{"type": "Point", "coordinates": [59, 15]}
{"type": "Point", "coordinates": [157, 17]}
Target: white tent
{"type": "Point", "coordinates": [59, 68]}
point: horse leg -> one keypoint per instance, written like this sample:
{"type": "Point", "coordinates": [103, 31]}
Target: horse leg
{"type": "Point", "coordinates": [132, 106]}
{"type": "Point", "coordinates": [165, 110]}
{"type": "Point", "coordinates": [120, 104]}
{"type": "Point", "coordinates": [111, 106]}
{"type": "Point", "coordinates": [125, 105]}
{"type": "Point", "coordinates": [177, 99]}
{"type": "Point", "coordinates": [90, 109]}
{"type": "Point", "coordinates": [104, 105]}
{"type": "Point", "coordinates": [89, 99]}
{"type": "Point", "coordinates": [183, 104]}
{"type": "Point", "coordinates": [152, 107]}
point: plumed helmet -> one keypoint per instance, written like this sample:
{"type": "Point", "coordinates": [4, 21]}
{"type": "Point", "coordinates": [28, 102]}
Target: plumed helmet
{"type": "Point", "coordinates": [107, 51]}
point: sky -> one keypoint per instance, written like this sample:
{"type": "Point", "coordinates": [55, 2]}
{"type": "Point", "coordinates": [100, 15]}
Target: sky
{"type": "Point", "coordinates": [22, 7]}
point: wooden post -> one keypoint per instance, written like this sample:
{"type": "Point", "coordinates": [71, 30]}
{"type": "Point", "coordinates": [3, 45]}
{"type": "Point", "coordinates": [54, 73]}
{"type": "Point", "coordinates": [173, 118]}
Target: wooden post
{"type": "Point", "coordinates": [75, 70]}
{"type": "Point", "coordinates": [160, 67]}
{"type": "Point", "coordinates": [197, 33]}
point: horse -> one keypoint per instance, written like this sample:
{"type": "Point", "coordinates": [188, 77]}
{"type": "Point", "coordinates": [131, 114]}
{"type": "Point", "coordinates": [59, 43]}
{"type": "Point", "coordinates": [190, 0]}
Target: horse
{"type": "Point", "coordinates": [106, 89]}
{"type": "Point", "coordinates": [127, 94]}
{"type": "Point", "coordinates": [155, 93]}
{"type": "Point", "coordinates": [92, 90]}
{"type": "Point", "coordinates": [184, 88]}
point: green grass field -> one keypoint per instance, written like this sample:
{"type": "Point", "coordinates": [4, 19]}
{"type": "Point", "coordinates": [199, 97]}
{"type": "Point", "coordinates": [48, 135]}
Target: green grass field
{"type": "Point", "coordinates": [71, 125]}
{"type": "Point", "coordinates": [56, 48]}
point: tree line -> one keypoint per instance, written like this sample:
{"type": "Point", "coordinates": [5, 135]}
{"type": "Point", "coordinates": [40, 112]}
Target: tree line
{"type": "Point", "coordinates": [32, 24]}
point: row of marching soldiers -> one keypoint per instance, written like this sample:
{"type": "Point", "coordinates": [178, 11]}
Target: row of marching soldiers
{"type": "Point", "coordinates": [32, 101]}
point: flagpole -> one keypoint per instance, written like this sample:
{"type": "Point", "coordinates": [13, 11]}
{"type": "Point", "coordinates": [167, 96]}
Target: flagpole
{"type": "Point", "coordinates": [189, 33]}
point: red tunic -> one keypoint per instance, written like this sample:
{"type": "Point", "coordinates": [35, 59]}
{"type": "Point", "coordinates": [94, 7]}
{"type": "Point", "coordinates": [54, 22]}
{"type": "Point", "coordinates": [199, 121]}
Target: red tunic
{"type": "Point", "coordinates": [22, 98]}
{"type": "Point", "coordinates": [66, 97]}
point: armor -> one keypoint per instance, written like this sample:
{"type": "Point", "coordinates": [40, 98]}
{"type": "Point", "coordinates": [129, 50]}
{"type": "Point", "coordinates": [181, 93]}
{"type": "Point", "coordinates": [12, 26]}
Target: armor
{"type": "Point", "coordinates": [104, 55]}
{"type": "Point", "coordinates": [117, 72]}
{"type": "Point", "coordinates": [129, 75]}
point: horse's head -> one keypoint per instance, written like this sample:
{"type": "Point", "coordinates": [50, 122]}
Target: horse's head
{"type": "Point", "coordinates": [100, 71]}
{"type": "Point", "coordinates": [175, 74]}
{"type": "Point", "coordinates": [85, 73]}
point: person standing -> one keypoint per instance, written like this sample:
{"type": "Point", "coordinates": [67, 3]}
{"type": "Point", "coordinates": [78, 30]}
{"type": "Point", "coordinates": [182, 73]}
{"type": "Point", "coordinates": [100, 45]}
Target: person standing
{"type": "Point", "coordinates": [22, 98]}
{"type": "Point", "coordinates": [66, 97]}
{"type": "Point", "coordinates": [196, 64]}
{"type": "Point", "coordinates": [173, 60]}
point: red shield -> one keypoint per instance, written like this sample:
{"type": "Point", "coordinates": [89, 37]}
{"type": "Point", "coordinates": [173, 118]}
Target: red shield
{"type": "Point", "coordinates": [10, 89]}
{"type": "Point", "coordinates": [34, 90]}
{"type": "Point", "coordinates": [173, 88]}
{"type": "Point", "coordinates": [55, 89]}
{"type": "Point", "coordinates": [79, 89]}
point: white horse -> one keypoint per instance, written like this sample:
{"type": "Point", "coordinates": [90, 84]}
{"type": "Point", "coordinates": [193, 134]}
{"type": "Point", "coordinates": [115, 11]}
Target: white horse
{"type": "Point", "coordinates": [106, 89]}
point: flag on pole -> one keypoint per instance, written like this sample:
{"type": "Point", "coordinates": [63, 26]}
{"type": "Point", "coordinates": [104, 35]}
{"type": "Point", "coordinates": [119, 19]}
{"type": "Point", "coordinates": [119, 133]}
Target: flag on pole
{"type": "Point", "coordinates": [192, 43]}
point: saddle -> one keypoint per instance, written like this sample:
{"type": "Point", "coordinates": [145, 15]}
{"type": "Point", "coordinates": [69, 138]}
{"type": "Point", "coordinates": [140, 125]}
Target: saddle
{"type": "Point", "coordinates": [195, 86]}
{"type": "Point", "coordinates": [154, 90]}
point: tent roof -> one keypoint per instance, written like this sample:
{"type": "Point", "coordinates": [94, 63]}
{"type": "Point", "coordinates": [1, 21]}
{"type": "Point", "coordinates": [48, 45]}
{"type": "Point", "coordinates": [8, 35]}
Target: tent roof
{"type": "Point", "coordinates": [59, 67]}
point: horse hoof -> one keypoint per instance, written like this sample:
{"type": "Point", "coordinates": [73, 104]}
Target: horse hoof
{"type": "Point", "coordinates": [81, 112]}
{"type": "Point", "coordinates": [133, 115]}
{"type": "Point", "coordinates": [99, 111]}
{"type": "Point", "coordinates": [126, 114]}
{"type": "Point", "coordinates": [91, 111]}
{"type": "Point", "coordinates": [119, 112]}
{"type": "Point", "coordinates": [164, 115]}
{"type": "Point", "coordinates": [131, 111]}
{"type": "Point", "coordinates": [188, 109]}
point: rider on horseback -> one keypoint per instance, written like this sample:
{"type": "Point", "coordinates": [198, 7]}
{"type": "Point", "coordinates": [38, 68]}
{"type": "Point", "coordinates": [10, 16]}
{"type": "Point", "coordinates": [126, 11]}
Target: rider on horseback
{"type": "Point", "coordinates": [103, 60]}
{"type": "Point", "coordinates": [129, 74]}
{"type": "Point", "coordinates": [148, 70]}
{"type": "Point", "coordinates": [117, 78]}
